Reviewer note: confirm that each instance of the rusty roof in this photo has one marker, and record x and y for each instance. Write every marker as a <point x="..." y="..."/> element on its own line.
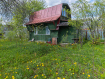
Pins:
<point x="46" y="15"/>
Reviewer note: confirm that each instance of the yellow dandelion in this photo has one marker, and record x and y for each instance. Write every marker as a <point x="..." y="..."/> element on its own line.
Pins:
<point x="83" y="72"/>
<point x="27" y="68"/>
<point x="63" y="78"/>
<point x="6" y="76"/>
<point x="69" y="69"/>
<point x="56" y="73"/>
<point x="73" y="73"/>
<point x="37" y="65"/>
<point x="75" y="63"/>
<point x="35" y="76"/>
<point x="58" y="77"/>
<point x="42" y="64"/>
<point x="16" y="72"/>
<point x="42" y="74"/>
<point x="15" y="68"/>
<point x="55" y="59"/>
<point x="0" y="74"/>
<point x="88" y="75"/>
<point x="37" y="68"/>
<point x="31" y="61"/>
<point x="13" y="77"/>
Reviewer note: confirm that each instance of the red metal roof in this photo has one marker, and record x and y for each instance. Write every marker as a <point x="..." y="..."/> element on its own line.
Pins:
<point x="46" y="15"/>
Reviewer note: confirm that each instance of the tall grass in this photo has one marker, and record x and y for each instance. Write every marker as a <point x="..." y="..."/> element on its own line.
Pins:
<point x="29" y="60"/>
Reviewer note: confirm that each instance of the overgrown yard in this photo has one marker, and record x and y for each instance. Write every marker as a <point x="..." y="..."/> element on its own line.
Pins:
<point x="29" y="60"/>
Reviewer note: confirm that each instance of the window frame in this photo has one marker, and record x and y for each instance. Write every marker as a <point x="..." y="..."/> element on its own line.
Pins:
<point x="64" y="13"/>
<point x="47" y="29"/>
<point x="36" y="31"/>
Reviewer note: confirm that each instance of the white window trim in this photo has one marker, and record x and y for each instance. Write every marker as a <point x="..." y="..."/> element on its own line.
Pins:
<point x="36" y="31"/>
<point x="47" y="30"/>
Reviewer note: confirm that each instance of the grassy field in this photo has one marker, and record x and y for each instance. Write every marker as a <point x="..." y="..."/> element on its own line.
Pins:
<point x="29" y="60"/>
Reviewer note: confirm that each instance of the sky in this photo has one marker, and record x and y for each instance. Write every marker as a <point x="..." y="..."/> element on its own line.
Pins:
<point x="55" y="2"/>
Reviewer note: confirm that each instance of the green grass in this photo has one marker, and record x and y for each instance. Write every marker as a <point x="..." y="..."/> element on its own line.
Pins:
<point x="29" y="60"/>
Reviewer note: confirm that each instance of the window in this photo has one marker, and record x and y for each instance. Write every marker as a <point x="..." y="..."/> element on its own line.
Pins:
<point x="64" y="12"/>
<point x="47" y="31"/>
<point x="35" y="30"/>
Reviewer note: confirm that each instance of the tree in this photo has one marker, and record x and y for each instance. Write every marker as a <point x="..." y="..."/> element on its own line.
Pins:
<point x="20" y="11"/>
<point x="89" y="14"/>
<point x="0" y="25"/>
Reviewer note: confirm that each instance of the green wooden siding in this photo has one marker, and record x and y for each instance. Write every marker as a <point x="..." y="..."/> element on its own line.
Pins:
<point x="66" y="34"/>
<point x="54" y="33"/>
<point x="42" y="37"/>
<point x="52" y="26"/>
<point x="42" y="31"/>
<point x="31" y="35"/>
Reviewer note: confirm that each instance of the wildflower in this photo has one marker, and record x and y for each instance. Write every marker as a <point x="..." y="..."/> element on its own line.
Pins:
<point x="83" y="72"/>
<point x="6" y="76"/>
<point x="37" y="65"/>
<point x="58" y="77"/>
<point x="31" y="61"/>
<point x="13" y="77"/>
<point x="63" y="78"/>
<point x="35" y="76"/>
<point x="56" y="73"/>
<point x="0" y="74"/>
<point x="88" y="75"/>
<point x="73" y="73"/>
<point x="55" y="59"/>
<point x="69" y="69"/>
<point x="16" y="72"/>
<point x="27" y="68"/>
<point x="75" y="63"/>
<point x="42" y="64"/>
<point x="42" y="74"/>
<point x="15" y="68"/>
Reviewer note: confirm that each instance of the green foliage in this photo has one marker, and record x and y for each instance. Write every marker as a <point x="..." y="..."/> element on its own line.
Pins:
<point x="64" y="38"/>
<point x="88" y="15"/>
<point x="0" y="25"/>
<point x="10" y="35"/>
<point x="24" y="10"/>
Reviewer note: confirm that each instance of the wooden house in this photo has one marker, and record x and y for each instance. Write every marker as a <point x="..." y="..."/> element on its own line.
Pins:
<point x="51" y="23"/>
